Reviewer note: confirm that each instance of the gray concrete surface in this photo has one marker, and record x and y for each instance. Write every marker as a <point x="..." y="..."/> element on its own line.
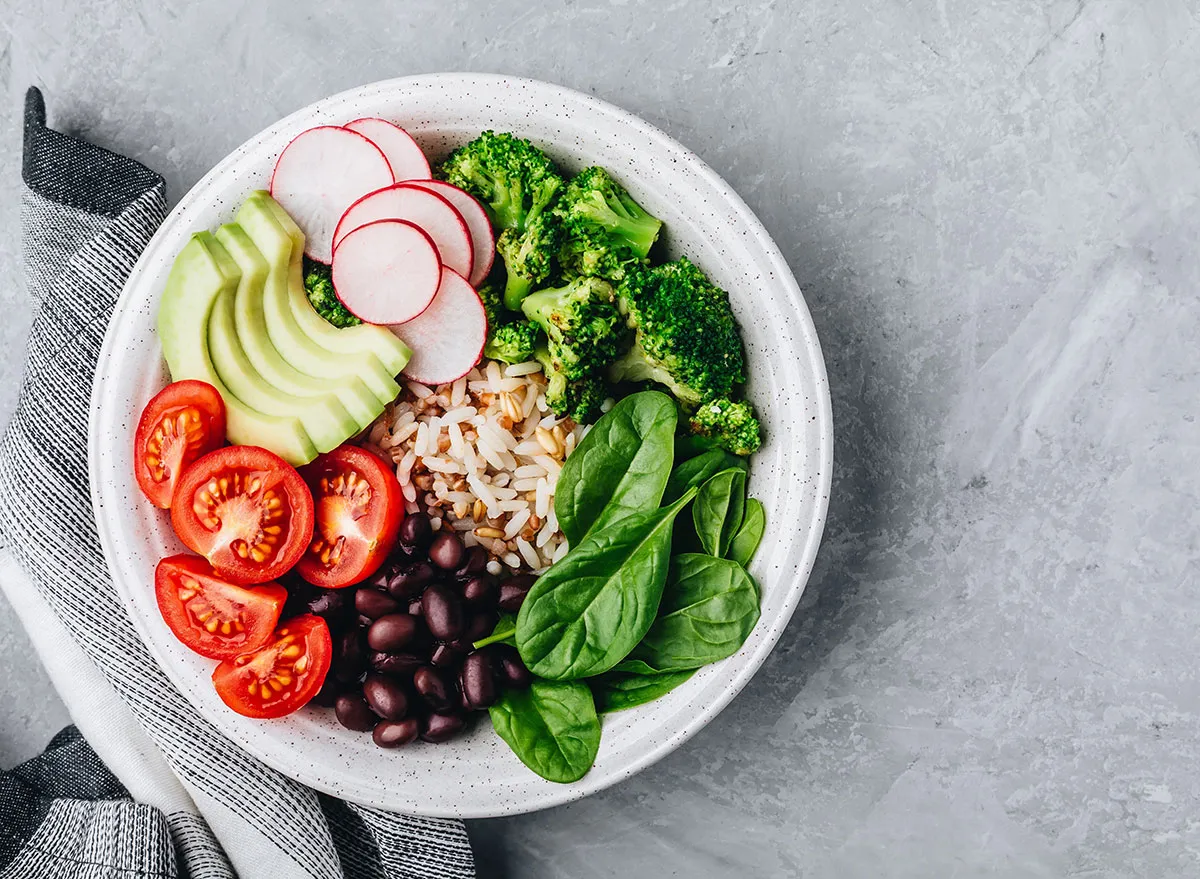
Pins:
<point x="992" y="206"/>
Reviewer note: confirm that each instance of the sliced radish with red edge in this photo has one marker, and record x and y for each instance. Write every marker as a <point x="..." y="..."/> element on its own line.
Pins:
<point x="447" y="339"/>
<point x="386" y="272"/>
<point x="483" y="240"/>
<point x="319" y="174"/>
<point x="433" y="213"/>
<point x="402" y="152"/>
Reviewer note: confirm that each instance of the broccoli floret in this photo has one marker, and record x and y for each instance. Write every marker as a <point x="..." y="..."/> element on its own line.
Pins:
<point x="730" y="424"/>
<point x="593" y="197"/>
<point x="579" y="399"/>
<point x="685" y="334"/>
<point x="589" y="251"/>
<point x="318" y="284"/>
<point x="491" y="294"/>
<point x="581" y="321"/>
<point x="517" y="184"/>
<point x="512" y="342"/>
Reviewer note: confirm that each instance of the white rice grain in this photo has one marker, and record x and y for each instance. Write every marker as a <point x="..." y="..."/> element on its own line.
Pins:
<point x="513" y="560"/>
<point x="513" y="506"/>
<point x="458" y="392"/>
<point x="459" y="415"/>
<point x="530" y="484"/>
<point x="492" y="370"/>
<point x="436" y="523"/>
<point x="553" y="468"/>
<point x="542" y="501"/>
<point x="494" y="568"/>
<point x="442" y="465"/>
<point x="516" y="370"/>
<point x="419" y="390"/>
<point x="528" y="553"/>
<point x="410" y="493"/>
<point x="517" y="522"/>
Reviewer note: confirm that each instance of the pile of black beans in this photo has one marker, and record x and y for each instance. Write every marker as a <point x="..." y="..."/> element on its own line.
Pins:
<point x="403" y="662"/>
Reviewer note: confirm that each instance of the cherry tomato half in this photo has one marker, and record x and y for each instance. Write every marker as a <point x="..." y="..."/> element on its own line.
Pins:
<point x="246" y="510"/>
<point x="212" y="616"/>
<point x="283" y="675"/>
<point x="184" y="421"/>
<point x="359" y="507"/>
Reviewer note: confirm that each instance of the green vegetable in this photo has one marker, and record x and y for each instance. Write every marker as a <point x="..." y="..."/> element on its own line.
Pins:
<point x="592" y="607"/>
<point x="717" y="512"/>
<point x="589" y="251"/>
<point x="745" y="542"/>
<point x="696" y="471"/>
<point x="686" y="336"/>
<point x="594" y="199"/>
<point x="582" y="324"/>
<point x="619" y="468"/>
<point x="318" y="284"/>
<point x="518" y="185"/>
<point x="513" y="342"/>
<point x="552" y="727"/>
<point x="504" y="632"/>
<point x="729" y="424"/>
<point x="616" y="691"/>
<point x="709" y="607"/>
<point x="579" y="399"/>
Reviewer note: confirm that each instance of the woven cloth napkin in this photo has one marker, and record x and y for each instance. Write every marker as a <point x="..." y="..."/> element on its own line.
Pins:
<point x="176" y="798"/>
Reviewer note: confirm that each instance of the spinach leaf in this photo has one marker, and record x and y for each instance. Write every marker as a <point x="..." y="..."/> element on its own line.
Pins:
<point x="696" y="471"/>
<point x="717" y="512"/>
<point x="708" y="608"/>
<point x="552" y="727"/>
<point x="620" y="467"/>
<point x="587" y="612"/>
<point x="745" y="542"/>
<point x="503" y="632"/>
<point x="615" y="691"/>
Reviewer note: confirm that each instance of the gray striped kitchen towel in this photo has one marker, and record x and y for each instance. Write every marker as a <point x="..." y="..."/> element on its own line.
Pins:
<point x="176" y="798"/>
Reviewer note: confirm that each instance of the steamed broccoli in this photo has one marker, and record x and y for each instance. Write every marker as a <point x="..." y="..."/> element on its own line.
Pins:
<point x="588" y="250"/>
<point x="581" y="321"/>
<point x="730" y="425"/>
<point x="318" y="284"/>
<point x="594" y="198"/>
<point x="685" y="334"/>
<point x="579" y="399"/>
<point x="517" y="184"/>
<point x="511" y="342"/>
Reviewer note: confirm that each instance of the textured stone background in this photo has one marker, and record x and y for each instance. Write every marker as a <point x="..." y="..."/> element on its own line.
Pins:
<point x="991" y="206"/>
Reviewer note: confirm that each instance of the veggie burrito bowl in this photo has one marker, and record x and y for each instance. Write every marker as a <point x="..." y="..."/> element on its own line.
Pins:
<point x="450" y="462"/>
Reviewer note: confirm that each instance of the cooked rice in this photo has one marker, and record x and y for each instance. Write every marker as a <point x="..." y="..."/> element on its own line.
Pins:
<point x="487" y="437"/>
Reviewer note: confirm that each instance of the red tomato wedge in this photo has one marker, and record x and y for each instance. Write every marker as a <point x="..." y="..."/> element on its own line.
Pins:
<point x="359" y="507"/>
<point x="246" y="510"/>
<point x="212" y="616"/>
<point x="184" y="421"/>
<point x="281" y="676"/>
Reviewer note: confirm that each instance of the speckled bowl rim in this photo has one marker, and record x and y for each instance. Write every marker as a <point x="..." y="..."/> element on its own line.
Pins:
<point x="108" y="452"/>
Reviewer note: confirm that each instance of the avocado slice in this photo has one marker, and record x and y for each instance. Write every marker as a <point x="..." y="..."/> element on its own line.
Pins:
<point x="197" y="280"/>
<point x="325" y="419"/>
<point x="305" y="352"/>
<point x="252" y="319"/>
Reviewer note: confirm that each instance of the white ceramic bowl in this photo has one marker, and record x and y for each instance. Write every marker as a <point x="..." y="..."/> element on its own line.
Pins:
<point x="477" y="776"/>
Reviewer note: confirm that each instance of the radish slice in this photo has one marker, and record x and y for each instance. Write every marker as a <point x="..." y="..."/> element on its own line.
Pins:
<point x="483" y="240"/>
<point x="408" y="201"/>
<point x="386" y="272"/>
<point x="402" y="152"/>
<point x="319" y="174"/>
<point x="447" y="339"/>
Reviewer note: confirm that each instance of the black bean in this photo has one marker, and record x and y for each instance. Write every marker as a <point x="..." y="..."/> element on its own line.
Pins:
<point x="481" y="625"/>
<point x="510" y="670"/>
<point x="443" y="612"/>
<point x="478" y="680"/>
<point x="474" y="562"/>
<point x="440" y="727"/>
<point x="328" y="693"/>
<point x="392" y="632"/>
<point x="415" y="608"/>
<point x="385" y="696"/>
<point x="399" y="665"/>
<point x="513" y="592"/>
<point x="373" y="604"/>
<point x="436" y="687"/>
<point x="354" y="713"/>
<point x="415" y="532"/>
<point x="446" y="551"/>
<point x="349" y="656"/>
<point x="445" y="656"/>
<point x="379" y="580"/>
<point x="480" y="592"/>
<point x="409" y="580"/>
<point x="332" y="605"/>
<point x="394" y="733"/>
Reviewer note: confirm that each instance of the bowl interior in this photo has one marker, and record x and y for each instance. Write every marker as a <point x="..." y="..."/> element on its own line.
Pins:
<point x="478" y="776"/>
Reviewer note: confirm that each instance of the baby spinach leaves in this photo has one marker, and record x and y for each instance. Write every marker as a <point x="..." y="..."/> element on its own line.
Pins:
<point x="749" y="536"/>
<point x="620" y="468"/>
<point x="587" y="612"/>
<point x="616" y="691"/>
<point x="552" y="727"/>
<point x="709" y="606"/>
<point x="717" y="512"/>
